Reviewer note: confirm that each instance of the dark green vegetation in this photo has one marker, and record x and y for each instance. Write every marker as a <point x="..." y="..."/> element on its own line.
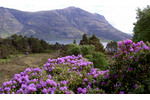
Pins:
<point x="142" y="26"/>
<point x="57" y="24"/>
<point x="129" y="73"/>
<point x="91" y="49"/>
<point x="14" y="45"/>
<point x="111" y="47"/>
<point x="93" y="40"/>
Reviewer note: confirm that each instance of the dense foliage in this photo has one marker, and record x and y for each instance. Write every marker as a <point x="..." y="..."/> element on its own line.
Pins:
<point x="88" y="51"/>
<point x="130" y="72"/>
<point x="70" y="74"/>
<point x="93" y="40"/>
<point x="84" y="40"/>
<point x="111" y="47"/>
<point x="19" y="44"/>
<point x="142" y="26"/>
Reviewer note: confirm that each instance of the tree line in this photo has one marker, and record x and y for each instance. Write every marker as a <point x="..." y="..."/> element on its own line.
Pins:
<point x="21" y="44"/>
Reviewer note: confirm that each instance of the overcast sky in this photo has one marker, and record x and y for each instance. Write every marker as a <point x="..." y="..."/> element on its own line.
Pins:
<point x="120" y="13"/>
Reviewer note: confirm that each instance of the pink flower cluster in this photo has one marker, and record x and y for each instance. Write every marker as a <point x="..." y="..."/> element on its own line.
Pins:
<point x="44" y="80"/>
<point x="127" y="46"/>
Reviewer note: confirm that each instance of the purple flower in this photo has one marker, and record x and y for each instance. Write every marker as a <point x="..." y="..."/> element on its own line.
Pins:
<point x="7" y="89"/>
<point x="120" y="43"/>
<point x="23" y="86"/>
<point x="28" y="70"/>
<point x="63" y="82"/>
<point x="85" y="79"/>
<point x="121" y="92"/>
<point x="116" y="85"/>
<point x="4" y="84"/>
<point x="19" y="91"/>
<point x="115" y="76"/>
<point x="49" y="76"/>
<point x="13" y="93"/>
<point x="95" y="75"/>
<point x="48" y="81"/>
<point x="131" y="57"/>
<point x="146" y="47"/>
<point x="103" y="83"/>
<point x="89" y="83"/>
<point x="138" y="44"/>
<point x="74" y="68"/>
<point x="133" y="45"/>
<point x="88" y="86"/>
<point x="49" y="60"/>
<point x="61" y="88"/>
<point x="106" y="76"/>
<point x="131" y="49"/>
<point x="79" y="89"/>
<point x="31" y="87"/>
<point x="35" y="80"/>
<point x="84" y="91"/>
<point x="83" y="83"/>
<point x="44" y="91"/>
<point x="52" y="92"/>
<point x="17" y="75"/>
<point x="65" y="87"/>
<point x="125" y="42"/>
<point x="116" y="56"/>
<point x="13" y="86"/>
<point x="14" y="82"/>
<point x="67" y="92"/>
<point x="79" y="56"/>
<point x="135" y="86"/>
<point x="58" y="85"/>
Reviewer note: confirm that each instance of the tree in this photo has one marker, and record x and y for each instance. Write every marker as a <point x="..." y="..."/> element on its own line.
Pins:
<point x="44" y="44"/>
<point x="35" y="45"/>
<point x="4" y="51"/>
<point x="74" y="41"/>
<point x="111" y="47"/>
<point x="93" y="40"/>
<point x="84" y="40"/>
<point x="142" y="26"/>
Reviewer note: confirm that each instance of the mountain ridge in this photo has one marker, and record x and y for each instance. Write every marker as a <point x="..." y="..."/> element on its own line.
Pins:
<point x="71" y="23"/>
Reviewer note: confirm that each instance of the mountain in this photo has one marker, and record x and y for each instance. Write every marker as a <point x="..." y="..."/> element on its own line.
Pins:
<point x="68" y="23"/>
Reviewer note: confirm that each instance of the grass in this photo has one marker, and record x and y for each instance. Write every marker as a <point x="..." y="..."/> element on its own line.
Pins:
<point x="12" y="57"/>
<point x="9" y="67"/>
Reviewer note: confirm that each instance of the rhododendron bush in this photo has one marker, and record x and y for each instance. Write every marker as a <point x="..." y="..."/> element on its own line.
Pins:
<point x="129" y="73"/>
<point x="67" y="75"/>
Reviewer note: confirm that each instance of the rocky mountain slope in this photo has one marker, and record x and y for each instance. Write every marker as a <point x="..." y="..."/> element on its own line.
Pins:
<point x="68" y="23"/>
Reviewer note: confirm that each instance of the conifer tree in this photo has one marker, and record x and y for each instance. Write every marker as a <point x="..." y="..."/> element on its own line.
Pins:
<point x="84" y="40"/>
<point x="93" y="40"/>
<point x="74" y="41"/>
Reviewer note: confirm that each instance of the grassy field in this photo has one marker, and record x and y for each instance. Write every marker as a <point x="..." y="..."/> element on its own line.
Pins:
<point x="10" y="67"/>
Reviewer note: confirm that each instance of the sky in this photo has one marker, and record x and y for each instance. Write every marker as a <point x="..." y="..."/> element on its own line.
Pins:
<point x="119" y="13"/>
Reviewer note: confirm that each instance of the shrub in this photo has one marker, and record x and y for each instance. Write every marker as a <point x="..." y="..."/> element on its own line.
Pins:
<point x="99" y="60"/>
<point x="89" y="57"/>
<point x="4" y="52"/>
<point x="66" y="75"/>
<point x="87" y="49"/>
<point x="130" y="72"/>
<point x="74" y="49"/>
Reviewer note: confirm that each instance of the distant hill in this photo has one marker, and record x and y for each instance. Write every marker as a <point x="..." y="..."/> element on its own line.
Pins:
<point x="68" y="23"/>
